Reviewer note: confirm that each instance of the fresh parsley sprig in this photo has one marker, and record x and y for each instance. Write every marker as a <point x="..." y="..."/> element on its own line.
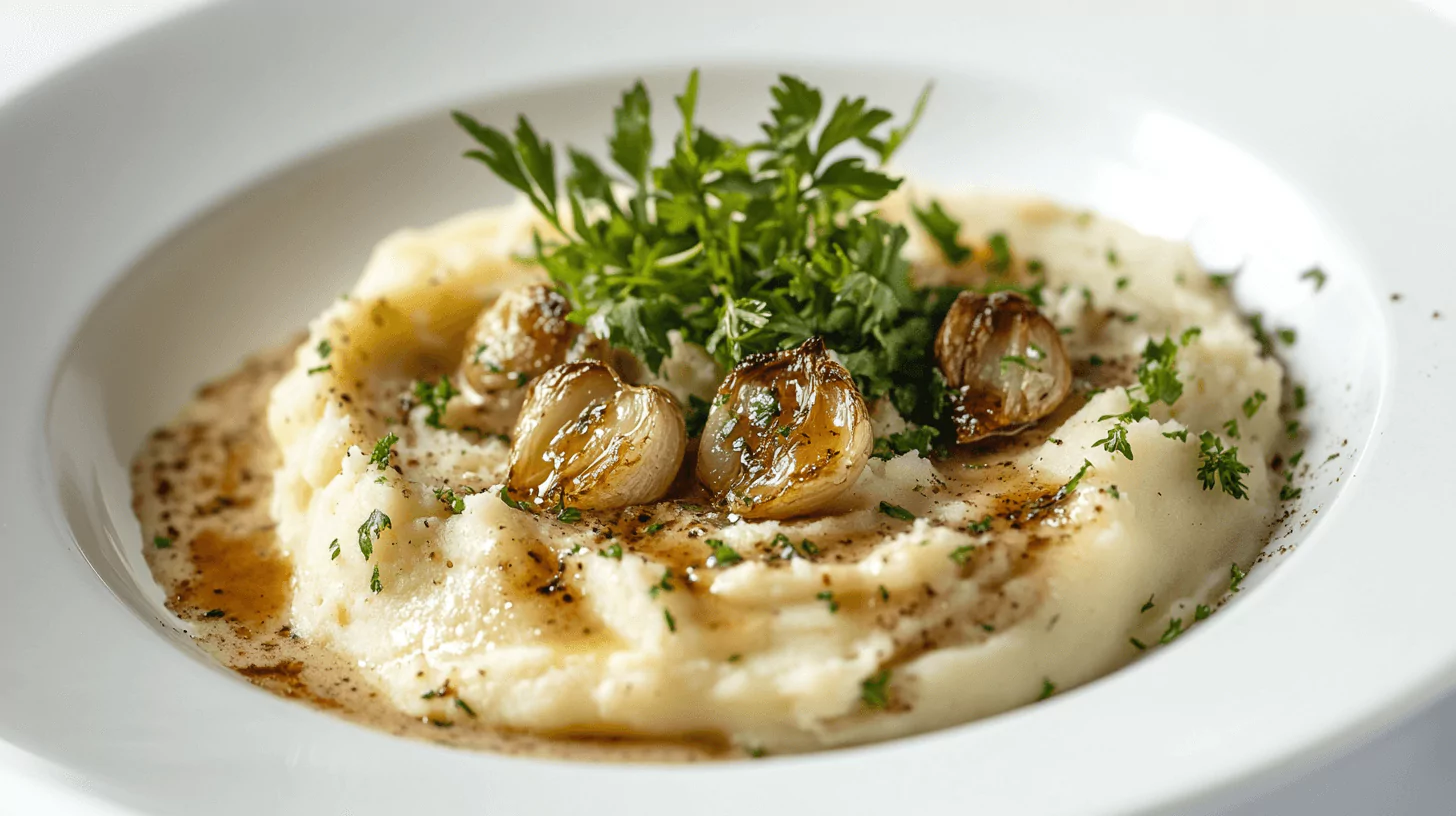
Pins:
<point x="740" y="247"/>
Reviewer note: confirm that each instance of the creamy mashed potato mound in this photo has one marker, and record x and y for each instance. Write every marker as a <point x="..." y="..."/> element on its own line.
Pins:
<point x="620" y="623"/>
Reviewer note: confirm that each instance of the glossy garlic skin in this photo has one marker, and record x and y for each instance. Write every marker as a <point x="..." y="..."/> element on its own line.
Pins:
<point x="1004" y="362"/>
<point x="586" y="439"/>
<point x="517" y="338"/>
<point x="787" y="434"/>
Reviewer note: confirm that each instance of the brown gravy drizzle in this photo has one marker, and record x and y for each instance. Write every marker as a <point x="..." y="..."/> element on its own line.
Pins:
<point x="201" y="488"/>
<point x="202" y="485"/>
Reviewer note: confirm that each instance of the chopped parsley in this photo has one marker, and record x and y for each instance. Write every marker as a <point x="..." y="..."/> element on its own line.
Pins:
<point x="1148" y="605"/>
<point x="435" y="396"/>
<point x="920" y="439"/>
<point x="319" y="369"/>
<point x="1221" y="467"/>
<point x="1236" y="577"/>
<point x="786" y="548"/>
<point x="567" y="515"/>
<point x="739" y="247"/>
<point x="1189" y="335"/>
<point x="944" y="231"/>
<point x="895" y="511"/>
<point x="664" y="584"/>
<point x="1121" y="283"/>
<point x="514" y="504"/>
<point x="1256" y="324"/>
<point x="213" y="613"/>
<point x="1000" y="250"/>
<point x="828" y="597"/>
<point x="982" y="526"/>
<point x="162" y="542"/>
<point x="334" y="549"/>
<point x="464" y="706"/>
<point x="1295" y="459"/>
<point x="1201" y="611"/>
<point x="382" y="450"/>
<point x="370" y="530"/>
<point x="1290" y="492"/>
<point x="653" y="527"/>
<point x="1300" y="399"/>
<point x="1018" y="360"/>
<point x="1181" y="434"/>
<point x="1314" y="273"/>
<point x="1253" y="403"/>
<point x="763" y="407"/>
<point x="1115" y="441"/>
<point x="375" y="585"/>
<point x="1175" y="628"/>
<point x="1291" y="429"/>
<point x="1138" y="644"/>
<point x="1231" y="428"/>
<point x="1048" y="688"/>
<point x="723" y="555"/>
<point x="669" y="620"/>
<point x="1287" y="336"/>
<point x="324" y="348"/>
<point x="884" y="593"/>
<point x="963" y="553"/>
<point x="614" y="551"/>
<point x="447" y="496"/>
<point x="874" y="691"/>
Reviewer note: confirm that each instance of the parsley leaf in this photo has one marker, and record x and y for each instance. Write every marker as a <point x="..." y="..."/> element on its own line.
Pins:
<point x="370" y="531"/>
<point x="943" y="230"/>
<point x="1317" y="275"/>
<point x="1221" y="467"/>
<point x="436" y="396"/>
<point x="382" y="449"/>
<point x="738" y="247"/>
<point x="874" y="691"/>
<point x="920" y="440"/>
<point x="895" y="511"/>
<point x="723" y="555"/>
<point x="1252" y="404"/>
<point x="375" y="585"/>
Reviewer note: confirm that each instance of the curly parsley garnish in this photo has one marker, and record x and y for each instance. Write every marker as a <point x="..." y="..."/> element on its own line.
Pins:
<point x="723" y="555"/>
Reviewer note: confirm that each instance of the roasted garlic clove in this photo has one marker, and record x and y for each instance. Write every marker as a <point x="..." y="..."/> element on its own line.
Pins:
<point x="787" y="434"/>
<point x="1004" y="361"/>
<point x="521" y="335"/>
<point x="586" y="439"/>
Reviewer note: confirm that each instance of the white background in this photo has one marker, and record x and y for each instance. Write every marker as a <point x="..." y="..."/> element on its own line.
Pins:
<point x="1410" y="771"/>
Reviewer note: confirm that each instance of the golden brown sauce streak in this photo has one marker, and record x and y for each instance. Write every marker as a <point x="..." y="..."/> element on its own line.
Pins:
<point x="203" y="483"/>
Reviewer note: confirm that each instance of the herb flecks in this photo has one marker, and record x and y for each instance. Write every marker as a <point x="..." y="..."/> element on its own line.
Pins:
<point x="1221" y="467"/>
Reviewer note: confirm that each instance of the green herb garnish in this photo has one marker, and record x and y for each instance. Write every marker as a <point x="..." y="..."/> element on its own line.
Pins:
<point x="382" y="450"/>
<point x="739" y="247"/>
<point x="1221" y="467"/>
<point x="435" y="396"/>
<point x="1253" y="403"/>
<point x="895" y="511"/>
<point x="723" y="555"/>
<point x="828" y="597"/>
<point x="874" y="691"/>
<point x="370" y="530"/>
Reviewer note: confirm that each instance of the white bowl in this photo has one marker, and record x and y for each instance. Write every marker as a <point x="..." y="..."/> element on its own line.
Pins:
<point x="199" y="191"/>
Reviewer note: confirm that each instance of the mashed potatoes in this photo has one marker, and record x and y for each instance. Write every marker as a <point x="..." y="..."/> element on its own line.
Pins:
<point x="932" y="592"/>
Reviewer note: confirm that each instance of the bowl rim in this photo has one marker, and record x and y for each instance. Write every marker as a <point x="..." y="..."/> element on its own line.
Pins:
<point x="1329" y="701"/>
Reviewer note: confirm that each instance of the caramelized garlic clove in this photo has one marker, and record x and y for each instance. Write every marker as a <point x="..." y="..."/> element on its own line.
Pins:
<point x="518" y="337"/>
<point x="1004" y="362"/>
<point x="787" y="434"/>
<point x="586" y="439"/>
